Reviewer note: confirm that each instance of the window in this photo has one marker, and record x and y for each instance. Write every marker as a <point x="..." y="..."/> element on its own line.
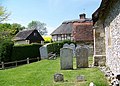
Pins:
<point x="35" y="34"/>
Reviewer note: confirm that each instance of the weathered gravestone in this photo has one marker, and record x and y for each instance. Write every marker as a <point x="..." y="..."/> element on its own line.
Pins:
<point x="82" y="57"/>
<point x="66" y="58"/>
<point x="43" y="52"/>
<point x="58" y="77"/>
<point x="80" y="78"/>
<point x="66" y="45"/>
<point x="72" y="46"/>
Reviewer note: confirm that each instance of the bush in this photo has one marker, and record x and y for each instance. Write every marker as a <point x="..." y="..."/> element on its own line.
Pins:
<point x="21" y="52"/>
<point x="5" y="50"/>
<point x="47" y="39"/>
<point x="68" y="41"/>
<point x="56" y="46"/>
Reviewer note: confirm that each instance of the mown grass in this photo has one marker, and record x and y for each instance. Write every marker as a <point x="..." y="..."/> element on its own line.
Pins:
<point x="41" y="74"/>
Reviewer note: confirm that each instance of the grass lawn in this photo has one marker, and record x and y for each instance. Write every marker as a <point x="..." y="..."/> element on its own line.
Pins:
<point x="41" y="74"/>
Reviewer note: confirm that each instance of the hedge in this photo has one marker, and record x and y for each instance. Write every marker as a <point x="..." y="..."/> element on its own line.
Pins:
<point x="6" y="47"/>
<point x="21" y="52"/>
<point x="56" y="46"/>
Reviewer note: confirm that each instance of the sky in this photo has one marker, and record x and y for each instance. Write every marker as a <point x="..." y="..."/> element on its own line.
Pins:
<point x="51" y="12"/>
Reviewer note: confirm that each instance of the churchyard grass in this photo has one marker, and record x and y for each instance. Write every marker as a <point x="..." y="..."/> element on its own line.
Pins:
<point x="41" y="74"/>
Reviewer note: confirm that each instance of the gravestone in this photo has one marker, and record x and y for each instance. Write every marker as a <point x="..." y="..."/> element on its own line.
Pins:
<point x="43" y="52"/>
<point x="82" y="57"/>
<point x="58" y="77"/>
<point x="72" y="46"/>
<point x="66" y="45"/>
<point x="66" y="58"/>
<point x="78" y="46"/>
<point x="80" y="78"/>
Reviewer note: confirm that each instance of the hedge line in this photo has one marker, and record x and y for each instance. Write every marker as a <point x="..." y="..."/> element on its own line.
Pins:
<point x="55" y="46"/>
<point x="9" y="52"/>
<point x="21" y="52"/>
<point x="6" y="47"/>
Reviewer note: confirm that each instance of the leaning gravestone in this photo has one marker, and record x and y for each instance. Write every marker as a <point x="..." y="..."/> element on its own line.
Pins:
<point x="43" y="52"/>
<point x="66" y="58"/>
<point x="82" y="57"/>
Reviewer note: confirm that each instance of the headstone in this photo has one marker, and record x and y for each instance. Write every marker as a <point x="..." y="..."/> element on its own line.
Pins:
<point x="82" y="57"/>
<point x="66" y="58"/>
<point x="72" y="46"/>
<point x="58" y="77"/>
<point x="78" y="46"/>
<point x="66" y="45"/>
<point x="43" y="52"/>
<point x="80" y="78"/>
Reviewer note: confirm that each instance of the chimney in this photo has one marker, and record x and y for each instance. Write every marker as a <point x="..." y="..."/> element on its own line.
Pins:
<point x="82" y="16"/>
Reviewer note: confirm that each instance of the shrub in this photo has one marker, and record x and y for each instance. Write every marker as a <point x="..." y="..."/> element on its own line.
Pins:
<point x="5" y="50"/>
<point x="21" y="52"/>
<point x="55" y="46"/>
<point x="48" y="39"/>
<point x="68" y="41"/>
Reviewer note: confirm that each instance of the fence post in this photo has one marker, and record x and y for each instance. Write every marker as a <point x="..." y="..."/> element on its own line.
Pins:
<point x="38" y="58"/>
<point x="2" y="65"/>
<point x="16" y="63"/>
<point x="27" y="60"/>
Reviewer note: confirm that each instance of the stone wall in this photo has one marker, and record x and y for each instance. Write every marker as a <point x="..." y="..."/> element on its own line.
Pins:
<point x="99" y="44"/>
<point x="112" y="30"/>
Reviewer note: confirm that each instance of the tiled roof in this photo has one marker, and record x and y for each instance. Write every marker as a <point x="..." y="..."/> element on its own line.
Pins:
<point x="22" y="35"/>
<point x="67" y="26"/>
<point x="83" y="32"/>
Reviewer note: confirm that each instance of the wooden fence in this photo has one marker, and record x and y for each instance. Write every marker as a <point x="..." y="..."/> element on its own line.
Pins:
<point x="15" y="63"/>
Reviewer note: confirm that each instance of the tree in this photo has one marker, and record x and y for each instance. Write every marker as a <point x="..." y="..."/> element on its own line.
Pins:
<point x="15" y="28"/>
<point x="3" y="14"/>
<point x="41" y="27"/>
<point x="9" y="30"/>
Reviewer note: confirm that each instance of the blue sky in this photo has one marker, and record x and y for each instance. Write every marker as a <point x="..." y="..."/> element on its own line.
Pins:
<point x="51" y="12"/>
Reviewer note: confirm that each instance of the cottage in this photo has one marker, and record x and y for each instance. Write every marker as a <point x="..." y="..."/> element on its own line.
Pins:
<point x="63" y="32"/>
<point x="79" y="30"/>
<point x="28" y="37"/>
<point x="82" y="30"/>
<point x="107" y="35"/>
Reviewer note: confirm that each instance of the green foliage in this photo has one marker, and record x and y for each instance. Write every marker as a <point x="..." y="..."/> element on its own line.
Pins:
<point x="68" y="41"/>
<point x="41" y="74"/>
<point x="16" y="28"/>
<point x="41" y="27"/>
<point x="21" y="52"/>
<point x="9" y="30"/>
<point x="5" y="50"/>
<point x="55" y="46"/>
<point x="3" y="14"/>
